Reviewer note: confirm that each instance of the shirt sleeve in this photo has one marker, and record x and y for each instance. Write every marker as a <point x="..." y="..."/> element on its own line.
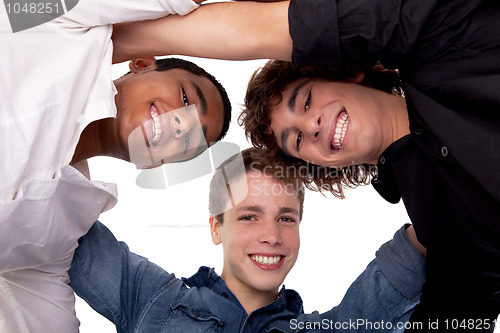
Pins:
<point x="92" y="13"/>
<point x="326" y="32"/>
<point x="114" y="281"/>
<point x="384" y="295"/>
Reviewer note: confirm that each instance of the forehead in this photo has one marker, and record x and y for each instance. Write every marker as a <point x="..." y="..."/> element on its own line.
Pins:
<point x="257" y="188"/>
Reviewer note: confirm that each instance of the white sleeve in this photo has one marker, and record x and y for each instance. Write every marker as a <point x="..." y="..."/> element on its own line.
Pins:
<point x="91" y="13"/>
<point x="41" y="228"/>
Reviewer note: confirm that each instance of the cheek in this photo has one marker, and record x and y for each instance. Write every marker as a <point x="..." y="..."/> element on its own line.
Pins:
<point x="311" y="152"/>
<point x="292" y="238"/>
<point x="214" y="125"/>
<point x="129" y="118"/>
<point x="236" y="239"/>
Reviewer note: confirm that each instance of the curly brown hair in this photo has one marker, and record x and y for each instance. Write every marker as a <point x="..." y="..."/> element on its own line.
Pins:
<point x="265" y="92"/>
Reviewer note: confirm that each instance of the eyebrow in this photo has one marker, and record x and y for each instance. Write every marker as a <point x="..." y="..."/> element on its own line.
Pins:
<point x="250" y="208"/>
<point x="284" y="210"/>
<point x="291" y="108"/>
<point x="203" y="111"/>
<point x="201" y="97"/>
<point x="293" y="97"/>
<point x="284" y="139"/>
<point x="259" y="209"/>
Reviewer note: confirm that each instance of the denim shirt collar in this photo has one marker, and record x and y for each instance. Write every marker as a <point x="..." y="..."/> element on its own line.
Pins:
<point x="208" y="278"/>
<point x="288" y="299"/>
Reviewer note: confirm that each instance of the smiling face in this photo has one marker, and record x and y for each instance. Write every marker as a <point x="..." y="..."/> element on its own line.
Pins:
<point x="260" y="236"/>
<point x="166" y="116"/>
<point x="334" y="124"/>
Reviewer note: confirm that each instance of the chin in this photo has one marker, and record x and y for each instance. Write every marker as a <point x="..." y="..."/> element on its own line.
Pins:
<point x="273" y="289"/>
<point x="269" y="286"/>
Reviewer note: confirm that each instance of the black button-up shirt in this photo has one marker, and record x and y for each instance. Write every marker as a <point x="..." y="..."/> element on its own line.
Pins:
<point x="447" y="171"/>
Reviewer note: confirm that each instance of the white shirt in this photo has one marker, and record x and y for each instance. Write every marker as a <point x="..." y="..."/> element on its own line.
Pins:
<point x="38" y="236"/>
<point x="55" y="80"/>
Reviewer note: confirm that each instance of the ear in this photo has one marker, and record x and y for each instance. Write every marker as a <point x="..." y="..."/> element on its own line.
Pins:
<point x="215" y="230"/>
<point x="140" y="64"/>
<point x="358" y="77"/>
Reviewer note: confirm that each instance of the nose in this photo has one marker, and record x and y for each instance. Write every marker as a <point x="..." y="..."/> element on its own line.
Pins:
<point x="312" y="126"/>
<point x="270" y="233"/>
<point x="182" y="124"/>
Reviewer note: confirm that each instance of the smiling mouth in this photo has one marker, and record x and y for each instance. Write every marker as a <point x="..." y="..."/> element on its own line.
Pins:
<point x="156" y="124"/>
<point x="267" y="261"/>
<point x="340" y="131"/>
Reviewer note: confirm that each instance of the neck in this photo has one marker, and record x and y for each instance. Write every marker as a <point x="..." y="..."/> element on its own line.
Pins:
<point x="96" y="140"/>
<point x="400" y="121"/>
<point x="395" y="123"/>
<point x="251" y="299"/>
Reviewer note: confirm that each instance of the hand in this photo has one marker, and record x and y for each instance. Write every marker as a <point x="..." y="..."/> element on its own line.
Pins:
<point x="412" y="237"/>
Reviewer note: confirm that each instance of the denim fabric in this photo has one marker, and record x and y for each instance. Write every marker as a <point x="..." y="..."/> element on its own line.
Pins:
<point x="139" y="296"/>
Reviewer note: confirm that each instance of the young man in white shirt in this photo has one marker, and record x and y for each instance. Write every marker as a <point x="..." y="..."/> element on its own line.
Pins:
<point x="60" y="107"/>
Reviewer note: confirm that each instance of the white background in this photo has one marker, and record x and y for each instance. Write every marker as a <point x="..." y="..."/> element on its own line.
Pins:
<point x="170" y="227"/>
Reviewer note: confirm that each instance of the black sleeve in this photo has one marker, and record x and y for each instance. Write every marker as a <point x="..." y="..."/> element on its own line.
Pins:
<point x="329" y="32"/>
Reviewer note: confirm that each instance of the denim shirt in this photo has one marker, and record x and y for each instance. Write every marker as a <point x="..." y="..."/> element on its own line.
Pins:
<point x="139" y="296"/>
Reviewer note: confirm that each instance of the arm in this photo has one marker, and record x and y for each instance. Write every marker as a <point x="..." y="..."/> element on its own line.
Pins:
<point x="412" y="237"/>
<point x="93" y="13"/>
<point x="339" y="32"/>
<point x="229" y="30"/>
<point x="387" y="291"/>
<point x="114" y="281"/>
<point x="363" y="31"/>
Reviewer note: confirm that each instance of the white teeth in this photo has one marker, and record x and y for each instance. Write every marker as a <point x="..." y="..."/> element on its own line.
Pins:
<point x="266" y="260"/>
<point x="340" y="130"/>
<point x="156" y="126"/>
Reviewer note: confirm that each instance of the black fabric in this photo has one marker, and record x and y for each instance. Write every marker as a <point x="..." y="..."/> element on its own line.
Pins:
<point x="448" y="169"/>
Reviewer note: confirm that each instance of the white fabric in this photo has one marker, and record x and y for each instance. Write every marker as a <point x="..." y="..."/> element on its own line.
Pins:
<point x="55" y="80"/>
<point x="39" y="235"/>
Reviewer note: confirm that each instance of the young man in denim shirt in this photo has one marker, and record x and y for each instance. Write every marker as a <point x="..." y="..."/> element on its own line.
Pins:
<point x="444" y="168"/>
<point x="257" y="219"/>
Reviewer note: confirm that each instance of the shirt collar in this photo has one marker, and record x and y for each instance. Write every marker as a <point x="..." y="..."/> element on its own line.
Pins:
<point x="207" y="277"/>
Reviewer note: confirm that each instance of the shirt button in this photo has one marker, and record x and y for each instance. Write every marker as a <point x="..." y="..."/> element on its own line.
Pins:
<point x="419" y="131"/>
<point x="444" y="151"/>
<point x="382" y="159"/>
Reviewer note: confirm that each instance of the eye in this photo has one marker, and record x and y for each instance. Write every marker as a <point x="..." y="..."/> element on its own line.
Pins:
<point x="307" y="104"/>
<point x="299" y="140"/>
<point x="246" y="218"/>
<point x="287" y="220"/>
<point x="185" y="98"/>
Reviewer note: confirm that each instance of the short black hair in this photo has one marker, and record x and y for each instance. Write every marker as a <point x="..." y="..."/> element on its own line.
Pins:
<point x="165" y="64"/>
